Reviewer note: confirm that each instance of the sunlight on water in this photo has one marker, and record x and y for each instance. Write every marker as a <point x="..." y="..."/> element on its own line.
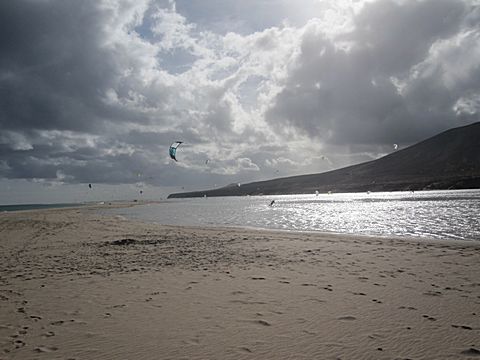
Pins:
<point x="437" y="214"/>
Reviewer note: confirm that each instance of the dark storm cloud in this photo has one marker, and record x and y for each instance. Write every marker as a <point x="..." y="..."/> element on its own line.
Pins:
<point x="52" y="68"/>
<point x="351" y="95"/>
<point x="59" y="62"/>
<point x="57" y="66"/>
<point x="392" y="37"/>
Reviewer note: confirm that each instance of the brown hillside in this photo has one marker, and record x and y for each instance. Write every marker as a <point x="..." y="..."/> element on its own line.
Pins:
<point x="450" y="160"/>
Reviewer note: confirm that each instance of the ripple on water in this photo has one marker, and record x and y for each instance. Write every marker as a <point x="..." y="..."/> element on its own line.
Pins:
<point x="434" y="214"/>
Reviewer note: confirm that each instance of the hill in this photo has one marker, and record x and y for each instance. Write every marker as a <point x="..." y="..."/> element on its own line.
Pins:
<point x="449" y="160"/>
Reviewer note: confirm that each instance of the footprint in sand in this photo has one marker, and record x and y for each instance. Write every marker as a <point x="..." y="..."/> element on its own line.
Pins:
<point x="19" y="343"/>
<point x="58" y="322"/>
<point x="464" y="327"/>
<point x="263" y="322"/>
<point x="246" y="349"/>
<point x="471" y="352"/>
<point x="431" y="318"/>
<point x="257" y="322"/>
<point x="45" y="349"/>
<point x="118" y="306"/>
<point x="347" y="318"/>
<point x="237" y="292"/>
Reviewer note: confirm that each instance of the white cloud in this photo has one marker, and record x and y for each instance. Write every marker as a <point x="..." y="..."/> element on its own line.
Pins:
<point x="15" y="141"/>
<point x="456" y="60"/>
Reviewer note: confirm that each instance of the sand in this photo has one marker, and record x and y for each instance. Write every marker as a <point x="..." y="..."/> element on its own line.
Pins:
<point x="78" y="285"/>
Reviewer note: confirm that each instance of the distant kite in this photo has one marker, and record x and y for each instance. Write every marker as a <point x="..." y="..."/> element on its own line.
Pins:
<point x="395" y="146"/>
<point x="90" y="186"/>
<point x="173" y="149"/>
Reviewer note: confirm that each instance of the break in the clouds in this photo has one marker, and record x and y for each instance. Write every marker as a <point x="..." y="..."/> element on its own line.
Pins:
<point x="95" y="91"/>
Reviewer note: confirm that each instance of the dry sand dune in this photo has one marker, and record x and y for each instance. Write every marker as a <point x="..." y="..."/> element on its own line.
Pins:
<point x="76" y="285"/>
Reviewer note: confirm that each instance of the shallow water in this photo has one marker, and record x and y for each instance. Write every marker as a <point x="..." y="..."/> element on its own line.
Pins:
<point x="452" y="214"/>
<point x="36" y="206"/>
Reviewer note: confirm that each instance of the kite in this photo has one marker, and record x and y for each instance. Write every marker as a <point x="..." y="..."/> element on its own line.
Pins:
<point x="173" y="149"/>
<point x="90" y="186"/>
<point x="395" y="146"/>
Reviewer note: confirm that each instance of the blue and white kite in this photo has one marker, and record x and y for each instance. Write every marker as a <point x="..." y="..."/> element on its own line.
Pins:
<point x="173" y="149"/>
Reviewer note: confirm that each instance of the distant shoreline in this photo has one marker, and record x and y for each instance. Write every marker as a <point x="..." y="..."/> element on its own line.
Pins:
<point x="103" y="204"/>
<point x="21" y="207"/>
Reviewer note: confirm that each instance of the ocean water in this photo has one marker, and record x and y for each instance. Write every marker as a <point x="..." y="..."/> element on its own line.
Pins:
<point x="34" y="206"/>
<point x="449" y="214"/>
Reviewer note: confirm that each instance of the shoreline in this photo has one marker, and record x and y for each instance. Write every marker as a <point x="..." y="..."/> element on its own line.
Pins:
<point x="321" y="234"/>
<point x="76" y="284"/>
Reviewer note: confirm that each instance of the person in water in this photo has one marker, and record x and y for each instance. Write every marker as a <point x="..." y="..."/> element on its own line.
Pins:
<point x="272" y="202"/>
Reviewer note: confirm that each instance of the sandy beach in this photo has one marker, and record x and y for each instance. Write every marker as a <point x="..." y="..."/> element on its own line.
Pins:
<point x="78" y="285"/>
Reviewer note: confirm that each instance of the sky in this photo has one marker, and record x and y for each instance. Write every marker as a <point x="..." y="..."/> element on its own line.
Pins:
<point x="94" y="92"/>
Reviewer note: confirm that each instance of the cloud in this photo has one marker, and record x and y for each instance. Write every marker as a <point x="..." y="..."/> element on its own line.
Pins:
<point x="395" y="77"/>
<point x="96" y="91"/>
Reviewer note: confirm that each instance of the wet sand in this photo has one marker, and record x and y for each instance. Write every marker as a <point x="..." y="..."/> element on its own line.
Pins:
<point x="78" y="285"/>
